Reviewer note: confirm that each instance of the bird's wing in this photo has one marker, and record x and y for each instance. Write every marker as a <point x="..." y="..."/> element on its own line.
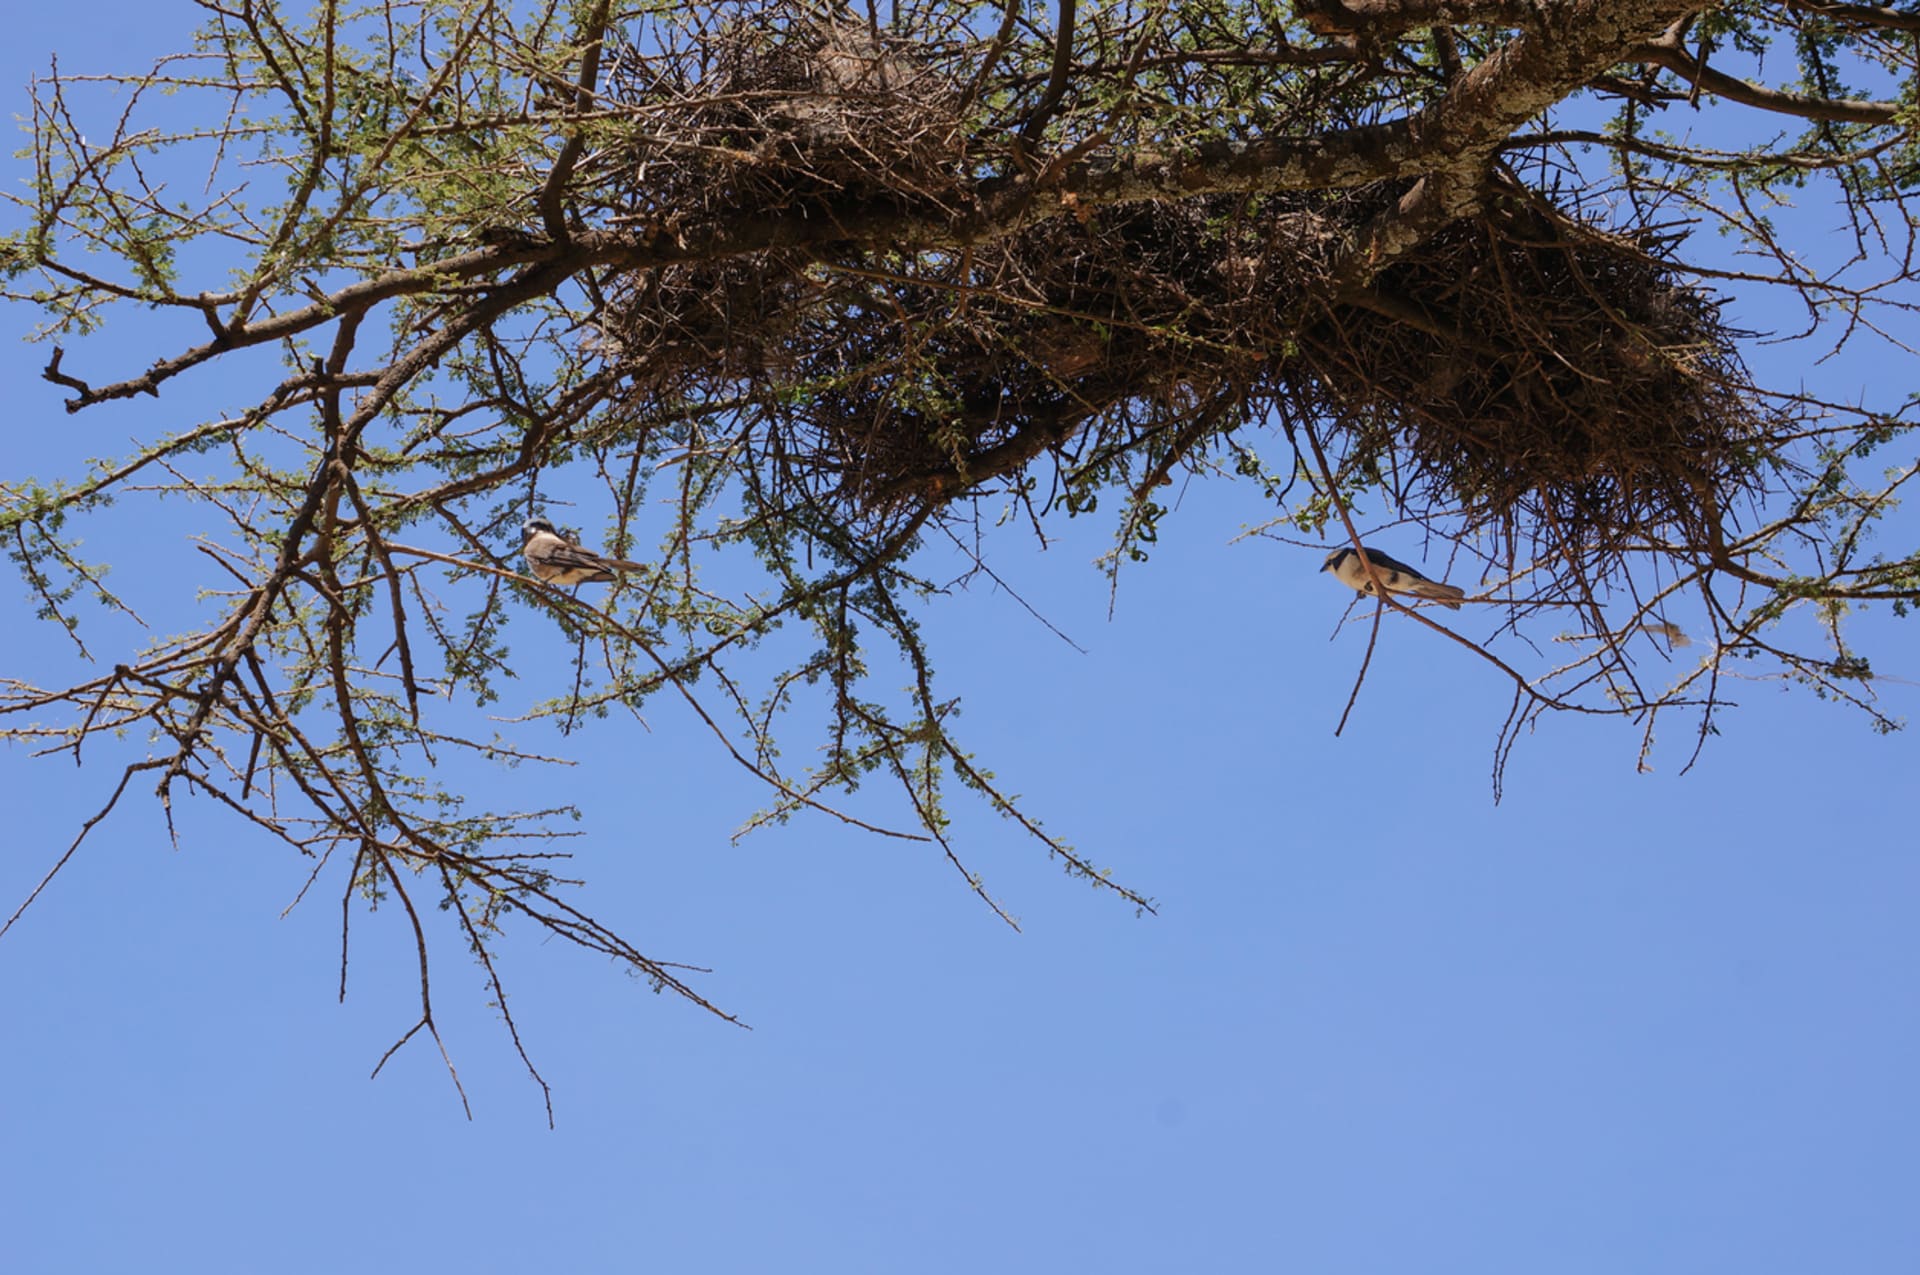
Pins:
<point x="562" y="554"/>
<point x="585" y="557"/>
<point x="1385" y="562"/>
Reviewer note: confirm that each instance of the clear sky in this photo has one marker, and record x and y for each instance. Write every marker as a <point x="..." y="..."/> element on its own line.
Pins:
<point x="1620" y="1022"/>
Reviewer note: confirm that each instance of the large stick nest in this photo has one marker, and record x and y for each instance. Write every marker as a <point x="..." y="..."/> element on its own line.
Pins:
<point x="1548" y="380"/>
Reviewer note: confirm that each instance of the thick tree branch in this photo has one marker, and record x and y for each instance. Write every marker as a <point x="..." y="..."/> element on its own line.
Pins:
<point x="553" y="194"/>
<point x="1669" y="55"/>
<point x="1459" y="134"/>
<point x="1883" y="17"/>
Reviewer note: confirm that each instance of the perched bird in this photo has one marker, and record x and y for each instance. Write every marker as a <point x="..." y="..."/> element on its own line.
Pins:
<point x="557" y="560"/>
<point x="1396" y="575"/>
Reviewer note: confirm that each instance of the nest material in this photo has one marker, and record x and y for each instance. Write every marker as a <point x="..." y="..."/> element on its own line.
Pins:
<point x="1534" y="370"/>
<point x="786" y="112"/>
<point x="815" y="114"/>
<point x="1543" y="377"/>
<point x="923" y="386"/>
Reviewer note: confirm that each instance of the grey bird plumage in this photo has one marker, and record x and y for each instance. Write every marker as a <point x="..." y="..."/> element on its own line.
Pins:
<point x="552" y="557"/>
<point x="1396" y="575"/>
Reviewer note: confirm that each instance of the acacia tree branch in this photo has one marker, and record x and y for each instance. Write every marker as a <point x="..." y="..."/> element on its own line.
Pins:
<point x="1449" y="141"/>
<point x="1567" y="46"/>
<point x="1669" y="55"/>
<point x="354" y="297"/>
<point x="1882" y="17"/>
<point x="553" y="194"/>
<point x="1058" y="78"/>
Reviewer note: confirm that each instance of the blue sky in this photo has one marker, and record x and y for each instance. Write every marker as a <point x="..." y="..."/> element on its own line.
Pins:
<point x="1619" y="1022"/>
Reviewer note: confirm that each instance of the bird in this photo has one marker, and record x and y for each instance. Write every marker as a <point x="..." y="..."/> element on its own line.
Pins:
<point x="552" y="557"/>
<point x="1397" y="576"/>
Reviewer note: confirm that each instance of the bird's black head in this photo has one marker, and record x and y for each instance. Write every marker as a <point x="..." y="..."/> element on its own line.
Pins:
<point x="534" y="526"/>
<point x="1335" y="558"/>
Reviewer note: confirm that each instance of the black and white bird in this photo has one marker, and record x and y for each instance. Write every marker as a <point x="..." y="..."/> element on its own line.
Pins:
<point x="1348" y="569"/>
<point x="557" y="560"/>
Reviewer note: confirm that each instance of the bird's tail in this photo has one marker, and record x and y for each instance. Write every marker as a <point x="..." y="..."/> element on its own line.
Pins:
<point x="1446" y="595"/>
